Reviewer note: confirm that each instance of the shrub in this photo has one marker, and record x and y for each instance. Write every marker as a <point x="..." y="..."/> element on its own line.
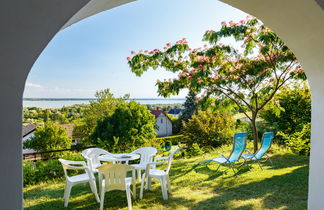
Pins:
<point x="48" y="138"/>
<point x="173" y="139"/>
<point x="290" y="110"/>
<point x="43" y="171"/>
<point x="299" y="142"/>
<point x="208" y="129"/>
<point x="129" y="127"/>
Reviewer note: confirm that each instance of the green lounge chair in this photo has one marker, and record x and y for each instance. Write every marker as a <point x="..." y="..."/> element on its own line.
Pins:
<point x="262" y="151"/>
<point x="238" y="148"/>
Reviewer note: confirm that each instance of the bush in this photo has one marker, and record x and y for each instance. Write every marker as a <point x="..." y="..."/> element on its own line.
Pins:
<point x="173" y="139"/>
<point x="129" y="127"/>
<point x="208" y="129"/>
<point x="290" y="110"/>
<point x="43" y="171"/>
<point x="48" y="138"/>
<point x="299" y="142"/>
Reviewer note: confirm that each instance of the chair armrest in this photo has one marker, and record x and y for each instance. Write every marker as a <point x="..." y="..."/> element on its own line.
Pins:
<point x="69" y="164"/>
<point x="223" y="156"/>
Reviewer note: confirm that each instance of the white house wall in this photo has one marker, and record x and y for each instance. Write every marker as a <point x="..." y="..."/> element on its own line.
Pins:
<point x="164" y="127"/>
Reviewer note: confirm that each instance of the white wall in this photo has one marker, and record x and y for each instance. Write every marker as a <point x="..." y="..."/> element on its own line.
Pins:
<point x="164" y="126"/>
<point x="27" y="26"/>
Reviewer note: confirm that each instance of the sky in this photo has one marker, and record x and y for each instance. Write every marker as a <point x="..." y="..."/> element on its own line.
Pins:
<point x="91" y="54"/>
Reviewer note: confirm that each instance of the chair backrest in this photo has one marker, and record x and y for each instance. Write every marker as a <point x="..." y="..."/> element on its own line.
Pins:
<point x="238" y="146"/>
<point x="265" y="144"/>
<point x="91" y="155"/>
<point x="146" y="153"/>
<point x="115" y="174"/>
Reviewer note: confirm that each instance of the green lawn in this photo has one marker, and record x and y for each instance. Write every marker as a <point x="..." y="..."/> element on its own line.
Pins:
<point x="283" y="186"/>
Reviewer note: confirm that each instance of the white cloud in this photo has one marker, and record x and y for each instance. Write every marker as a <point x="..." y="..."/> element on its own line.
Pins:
<point x="29" y="84"/>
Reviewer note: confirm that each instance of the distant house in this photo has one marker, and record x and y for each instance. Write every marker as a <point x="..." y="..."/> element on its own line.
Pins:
<point x="175" y="112"/>
<point x="27" y="133"/>
<point x="163" y="123"/>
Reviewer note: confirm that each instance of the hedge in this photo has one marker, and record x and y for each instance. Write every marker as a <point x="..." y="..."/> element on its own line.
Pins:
<point x="173" y="139"/>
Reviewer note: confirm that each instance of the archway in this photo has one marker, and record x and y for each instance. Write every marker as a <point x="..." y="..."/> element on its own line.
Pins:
<point x="29" y="26"/>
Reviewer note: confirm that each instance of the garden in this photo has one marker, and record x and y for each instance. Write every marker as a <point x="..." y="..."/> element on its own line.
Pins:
<point x="256" y="87"/>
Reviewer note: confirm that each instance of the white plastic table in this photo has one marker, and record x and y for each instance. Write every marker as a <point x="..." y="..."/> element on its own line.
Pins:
<point x="117" y="158"/>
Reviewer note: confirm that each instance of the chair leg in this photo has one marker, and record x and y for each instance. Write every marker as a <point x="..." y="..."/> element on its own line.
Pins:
<point x="100" y="181"/>
<point x="142" y="186"/>
<point x="163" y="187"/>
<point x="218" y="167"/>
<point x="259" y="164"/>
<point x="168" y="184"/>
<point x="233" y="169"/>
<point x="93" y="187"/>
<point x="102" y="198"/>
<point x="149" y="183"/>
<point x="139" y="174"/>
<point x="67" y="193"/>
<point x="129" y="199"/>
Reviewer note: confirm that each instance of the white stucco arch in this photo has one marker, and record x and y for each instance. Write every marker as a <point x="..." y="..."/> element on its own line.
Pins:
<point x="28" y="26"/>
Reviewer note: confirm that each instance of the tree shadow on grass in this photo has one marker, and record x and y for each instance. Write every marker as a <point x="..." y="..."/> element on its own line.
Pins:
<point x="288" y="190"/>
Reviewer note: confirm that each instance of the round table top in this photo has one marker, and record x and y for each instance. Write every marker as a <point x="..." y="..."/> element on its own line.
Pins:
<point x="119" y="157"/>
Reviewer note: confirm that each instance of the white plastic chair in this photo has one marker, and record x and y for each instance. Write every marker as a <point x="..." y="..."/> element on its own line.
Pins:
<point x="114" y="178"/>
<point x="91" y="155"/>
<point x="161" y="175"/>
<point x="147" y="154"/>
<point x="81" y="178"/>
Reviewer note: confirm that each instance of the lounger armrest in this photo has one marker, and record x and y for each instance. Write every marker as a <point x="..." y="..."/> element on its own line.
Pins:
<point x="223" y="156"/>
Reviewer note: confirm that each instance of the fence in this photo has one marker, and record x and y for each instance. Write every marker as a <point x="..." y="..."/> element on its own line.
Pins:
<point x="35" y="156"/>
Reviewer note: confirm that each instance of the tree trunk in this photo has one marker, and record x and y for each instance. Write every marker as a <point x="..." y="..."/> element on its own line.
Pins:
<point x="255" y="133"/>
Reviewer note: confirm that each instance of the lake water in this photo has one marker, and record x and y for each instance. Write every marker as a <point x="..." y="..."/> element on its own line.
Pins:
<point x="58" y="103"/>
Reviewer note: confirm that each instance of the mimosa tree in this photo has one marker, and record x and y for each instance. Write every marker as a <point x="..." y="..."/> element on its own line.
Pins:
<point x="249" y="73"/>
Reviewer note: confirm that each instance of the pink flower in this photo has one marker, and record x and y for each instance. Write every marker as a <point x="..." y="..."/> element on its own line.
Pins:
<point x="242" y="22"/>
<point x="132" y="52"/>
<point x="168" y="44"/>
<point x="151" y="52"/>
<point x="128" y="58"/>
<point x="223" y="23"/>
<point x="145" y="51"/>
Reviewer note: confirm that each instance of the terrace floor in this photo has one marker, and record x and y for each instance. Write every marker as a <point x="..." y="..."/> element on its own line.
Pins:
<point x="283" y="186"/>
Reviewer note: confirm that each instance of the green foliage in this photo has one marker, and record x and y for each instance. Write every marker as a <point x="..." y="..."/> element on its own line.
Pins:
<point x="104" y="106"/>
<point x="299" y="142"/>
<point x="290" y="110"/>
<point x="39" y="116"/>
<point x="43" y="171"/>
<point x="190" y="106"/>
<point x="175" y="140"/>
<point x="129" y="127"/>
<point x="50" y="137"/>
<point x="208" y="129"/>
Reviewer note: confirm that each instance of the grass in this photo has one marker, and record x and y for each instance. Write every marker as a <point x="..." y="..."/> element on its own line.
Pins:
<point x="283" y="186"/>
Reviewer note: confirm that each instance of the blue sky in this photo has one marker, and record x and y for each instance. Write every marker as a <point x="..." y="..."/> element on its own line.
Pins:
<point x="91" y="55"/>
